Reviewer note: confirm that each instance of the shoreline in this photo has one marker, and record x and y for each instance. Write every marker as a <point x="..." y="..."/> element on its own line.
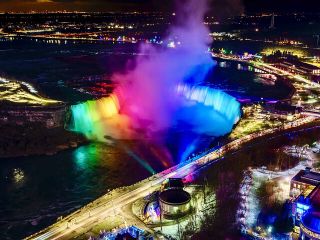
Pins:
<point x="17" y="142"/>
<point x="56" y="150"/>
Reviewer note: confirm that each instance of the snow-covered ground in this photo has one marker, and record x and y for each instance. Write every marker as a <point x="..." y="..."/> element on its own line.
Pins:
<point x="249" y="208"/>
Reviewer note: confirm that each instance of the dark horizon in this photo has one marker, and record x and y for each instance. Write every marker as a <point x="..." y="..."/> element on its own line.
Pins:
<point x="217" y="7"/>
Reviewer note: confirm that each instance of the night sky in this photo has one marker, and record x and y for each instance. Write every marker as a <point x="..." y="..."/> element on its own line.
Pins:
<point x="230" y="7"/>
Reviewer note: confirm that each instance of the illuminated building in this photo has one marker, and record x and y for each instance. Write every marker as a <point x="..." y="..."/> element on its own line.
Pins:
<point x="174" y="201"/>
<point x="300" y="206"/>
<point x="304" y="182"/>
<point x="305" y="189"/>
<point x="309" y="228"/>
<point x="310" y="220"/>
<point x="131" y="232"/>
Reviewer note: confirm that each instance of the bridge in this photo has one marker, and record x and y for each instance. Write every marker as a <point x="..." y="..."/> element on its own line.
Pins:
<point x="113" y="202"/>
<point x="268" y="68"/>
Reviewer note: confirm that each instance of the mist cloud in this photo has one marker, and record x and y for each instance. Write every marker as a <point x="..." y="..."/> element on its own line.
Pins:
<point x="161" y="89"/>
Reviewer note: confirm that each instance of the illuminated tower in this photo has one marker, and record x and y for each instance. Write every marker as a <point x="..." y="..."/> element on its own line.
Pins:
<point x="317" y="37"/>
<point x="272" y="22"/>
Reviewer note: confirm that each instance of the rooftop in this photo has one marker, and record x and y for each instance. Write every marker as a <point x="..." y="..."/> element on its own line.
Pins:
<point x="308" y="177"/>
<point x="175" y="196"/>
<point x="311" y="220"/>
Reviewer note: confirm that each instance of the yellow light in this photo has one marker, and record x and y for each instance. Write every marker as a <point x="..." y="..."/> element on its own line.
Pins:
<point x="24" y="93"/>
<point x="294" y="51"/>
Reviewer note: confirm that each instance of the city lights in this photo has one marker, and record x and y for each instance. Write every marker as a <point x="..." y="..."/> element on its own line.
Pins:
<point x="14" y="92"/>
<point x="159" y="120"/>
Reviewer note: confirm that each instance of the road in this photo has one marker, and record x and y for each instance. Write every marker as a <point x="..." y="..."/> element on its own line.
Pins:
<point x="113" y="202"/>
<point x="266" y="67"/>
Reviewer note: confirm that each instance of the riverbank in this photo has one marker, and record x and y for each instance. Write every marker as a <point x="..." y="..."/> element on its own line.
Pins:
<point x="18" y="141"/>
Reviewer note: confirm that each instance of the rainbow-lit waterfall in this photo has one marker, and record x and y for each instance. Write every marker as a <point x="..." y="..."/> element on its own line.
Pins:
<point x="209" y="111"/>
<point x="92" y="117"/>
<point x="151" y="95"/>
<point x="224" y="104"/>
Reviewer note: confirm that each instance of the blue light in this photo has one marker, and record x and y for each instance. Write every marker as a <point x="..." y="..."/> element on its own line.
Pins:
<point x="302" y="207"/>
<point x="189" y="149"/>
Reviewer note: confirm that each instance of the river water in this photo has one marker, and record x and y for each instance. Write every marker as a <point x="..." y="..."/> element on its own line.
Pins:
<point x="36" y="190"/>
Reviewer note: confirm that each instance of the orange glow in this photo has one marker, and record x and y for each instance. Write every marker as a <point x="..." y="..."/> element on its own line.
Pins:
<point x="108" y="107"/>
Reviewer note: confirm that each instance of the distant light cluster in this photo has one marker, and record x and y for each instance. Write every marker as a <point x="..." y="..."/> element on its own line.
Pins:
<point x="21" y="93"/>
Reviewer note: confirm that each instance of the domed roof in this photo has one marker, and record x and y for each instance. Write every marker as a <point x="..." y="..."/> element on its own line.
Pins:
<point x="175" y="196"/>
<point x="311" y="220"/>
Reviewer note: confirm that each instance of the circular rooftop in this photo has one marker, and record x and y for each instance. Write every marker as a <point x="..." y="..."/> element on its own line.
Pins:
<point x="311" y="220"/>
<point x="175" y="197"/>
